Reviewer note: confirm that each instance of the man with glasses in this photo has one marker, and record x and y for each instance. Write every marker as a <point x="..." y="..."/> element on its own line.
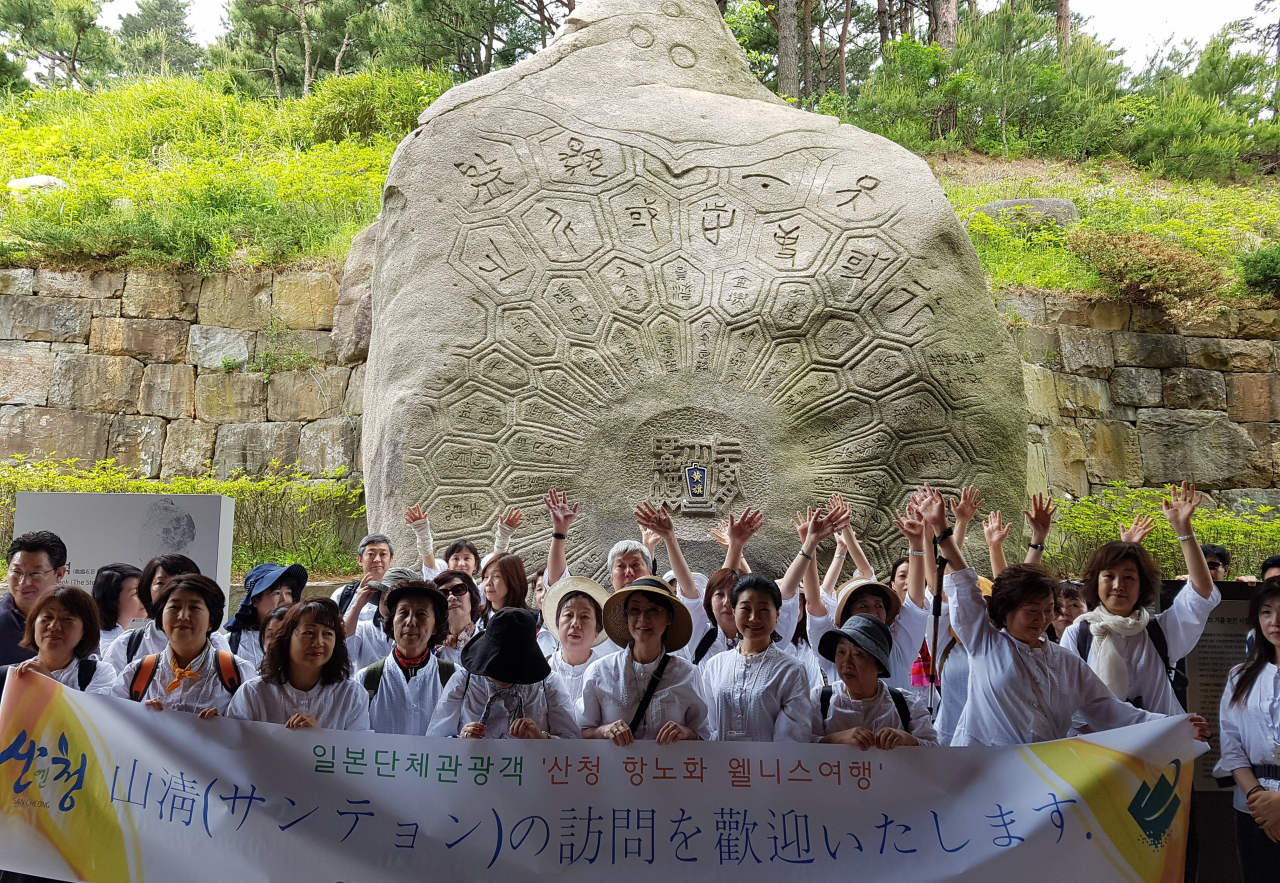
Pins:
<point x="37" y="563"/>
<point x="375" y="554"/>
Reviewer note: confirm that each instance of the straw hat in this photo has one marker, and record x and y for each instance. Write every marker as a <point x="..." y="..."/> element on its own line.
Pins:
<point x="892" y="603"/>
<point x="615" y="614"/>
<point x="589" y="587"/>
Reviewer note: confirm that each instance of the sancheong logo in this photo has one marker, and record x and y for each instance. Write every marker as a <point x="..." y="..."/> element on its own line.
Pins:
<point x="1155" y="808"/>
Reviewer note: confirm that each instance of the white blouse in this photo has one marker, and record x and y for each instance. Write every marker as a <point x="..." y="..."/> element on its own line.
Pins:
<point x="154" y="640"/>
<point x="615" y="685"/>
<point x="1250" y="732"/>
<point x="104" y="677"/>
<point x="463" y="701"/>
<point x="574" y="675"/>
<point x="106" y="636"/>
<point x="191" y="694"/>
<point x="1183" y="624"/>
<point x="250" y="649"/>
<point x="404" y="706"/>
<point x="808" y="657"/>
<point x="1017" y="694"/>
<point x="874" y="714"/>
<point x="761" y="698"/>
<point x="339" y="706"/>
<point x="369" y="644"/>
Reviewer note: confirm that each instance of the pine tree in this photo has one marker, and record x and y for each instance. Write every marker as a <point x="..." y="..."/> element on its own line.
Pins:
<point x="157" y="38"/>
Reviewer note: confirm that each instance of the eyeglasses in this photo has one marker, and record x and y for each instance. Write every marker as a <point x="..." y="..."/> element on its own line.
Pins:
<point x="17" y="576"/>
<point x="457" y="590"/>
<point x="1214" y="565"/>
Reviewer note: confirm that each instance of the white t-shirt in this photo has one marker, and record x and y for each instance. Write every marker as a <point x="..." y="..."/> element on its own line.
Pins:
<point x="574" y="675"/>
<point x="616" y="683"/>
<point x="339" y="706"/>
<point x="369" y="644"/>
<point x="1250" y="732"/>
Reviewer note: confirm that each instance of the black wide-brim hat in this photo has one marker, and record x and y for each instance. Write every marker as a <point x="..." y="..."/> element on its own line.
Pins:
<point x="507" y="650"/>
<point x="417" y="589"/>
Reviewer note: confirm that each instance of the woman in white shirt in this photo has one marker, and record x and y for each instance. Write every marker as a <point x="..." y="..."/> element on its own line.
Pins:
<point x="266" y="587"/>
<point x="464" y="609"/>
<point x="1023" y="688"/>
<point x="405" y="686"/>
<point x="115" y="589"/>
<point x="62" y="627"/>
<point x="644" y="691"/>
<point x="1249" y="726"/>
<point x="861" y="710"/>
<point x="507" y="689"/>
<point x="1116" y="635"/>
<point x="305" y="679"/>
<point x="576" y="611"/>
<point x="190" y="674"/>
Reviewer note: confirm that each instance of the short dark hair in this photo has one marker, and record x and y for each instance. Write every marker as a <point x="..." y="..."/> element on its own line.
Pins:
<point x="723" y="580"/>
<point x="1016" y="585"/>
<point x="462" y="546"/>
<point x="1070" y="590"/>
<point x="275" y="661"/>
<point x="754" y="582"/>
<point x="445" y="577"/>
<point x="573" y="596"/>
<point x="107" y="585"/>
<point x="203" y="586"/>
<point x="274" y="616"/>
<point x="1273" y="561"/>
<point x="893" y="568"/>
<point x="1110" y="556"/>
<point x="40" y="541"/>
<point x="512" y="569"/>
<point x="420" y="588"/>
<point x="79" y="604"/>
<point x="170" y="564"/>
<point x="1219" y="552"/>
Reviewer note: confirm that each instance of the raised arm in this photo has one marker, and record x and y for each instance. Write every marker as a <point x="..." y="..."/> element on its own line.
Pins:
<point x="737" y="532"/>
<point x="1179" y="508"/>
<point x="507" y="526"/>
<point x="1040" y="519"/>
<point x="364" y="594"/>
<point x="816" y="526"/>
<point x="849" y="539"/>
<point x="832" y="578"/>
<point x="964" y="509"/>
<point x="913" y="527"/>
<point x="562" y="516"/>
<point x="996" y="532"/>
<point x="420" y="522"/>
<point x="1138" y="531"/>
<point x="658" y="521"/>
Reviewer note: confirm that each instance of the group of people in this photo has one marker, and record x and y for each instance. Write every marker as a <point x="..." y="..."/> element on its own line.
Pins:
<point x="469" y="647"/>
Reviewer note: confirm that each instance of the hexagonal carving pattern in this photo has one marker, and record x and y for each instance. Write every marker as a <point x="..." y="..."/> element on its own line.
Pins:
<point x="611" y="269"/>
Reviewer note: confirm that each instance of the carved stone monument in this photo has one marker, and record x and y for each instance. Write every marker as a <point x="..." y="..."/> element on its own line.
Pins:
<point x="624" y="268"/>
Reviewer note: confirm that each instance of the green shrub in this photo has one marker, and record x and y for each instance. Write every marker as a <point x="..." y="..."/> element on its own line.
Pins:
<point x="1085" y="524"/>
<point x="285" y="516"/>
<point x="1260" y="269"/>
<point x="1145" y="267"/>
<point x="369" y="103"/>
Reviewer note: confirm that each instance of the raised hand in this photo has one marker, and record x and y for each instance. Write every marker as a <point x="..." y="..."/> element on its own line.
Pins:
<point x="911" y="526"/>
<point x="656" y="520"/>
<point x="415" y="514"/>
<point x="1180" y="506"/>
<point x="933" y="510"/>
<point x="1040" y="517"/>
<point x="802" y="520"/>
<point x="994" y="529"/>
<point x="1139" y="530"/>
<point x="967" y="506"/>
<point x="720" y="533"/>
<point x="821" y="527"/>
<point x="558" y="508"/>
<point x="513" y="519"/>
<point x="836" y="501"/>
<point x="744" y="527"/>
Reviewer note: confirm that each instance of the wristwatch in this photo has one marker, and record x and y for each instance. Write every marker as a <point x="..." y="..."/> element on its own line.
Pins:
<point x="1039" y="547"/>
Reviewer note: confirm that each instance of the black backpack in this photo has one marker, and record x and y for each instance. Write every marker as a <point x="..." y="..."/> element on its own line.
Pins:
<point x="84" y="676"/>
<point x="1177" y="678"/>
<point x="899" y="702"/>
<point x="373" y="675"/>
<point x="348" y="595"/>
<point x="133" y="642"/>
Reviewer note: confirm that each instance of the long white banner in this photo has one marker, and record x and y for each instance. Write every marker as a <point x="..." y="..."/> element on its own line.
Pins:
<point x="99" y="789"/>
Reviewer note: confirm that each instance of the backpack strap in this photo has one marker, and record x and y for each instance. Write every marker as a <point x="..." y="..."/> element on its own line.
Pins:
<point x="143" y="677"/>
<point x="133" y="642"/>
<point x="904" y="711"/>
<point x="1156" y="634"/>
<point x="704" y="644"/>
<point x="446" y="671"/>
<point x="348" y="595"/>
<point x="825" y="700"/>
<point x="233" y="640"/>
<point x="373" y="677"/>
<point x="228" y="673"/>
<point x="1084" y="641"/>
<point x="88" y="667"/>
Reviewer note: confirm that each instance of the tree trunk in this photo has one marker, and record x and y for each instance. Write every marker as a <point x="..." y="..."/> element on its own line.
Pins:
<point x="807" y="46"/>
<point x="275" y="68"/>
<point x="948" y="21"/>
<point x="306" y="48"/>
<point x="973" y="7"/>
<point x="788" y="47"/>
<point x="882" y="16"/>
<point x="823" y="59"/>
<point x="844" y="42"/>
<point x="337" y="62"/>
<point x="1064" y="24"/>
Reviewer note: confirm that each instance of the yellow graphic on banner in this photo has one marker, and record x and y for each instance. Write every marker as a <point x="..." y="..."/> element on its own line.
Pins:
<point x="81" y="825"/>
<point x="1141" y="809"/>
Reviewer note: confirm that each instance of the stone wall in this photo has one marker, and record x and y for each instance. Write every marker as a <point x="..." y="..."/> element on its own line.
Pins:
<point x="131" y="366"/>
<point x="1127" y="393"/>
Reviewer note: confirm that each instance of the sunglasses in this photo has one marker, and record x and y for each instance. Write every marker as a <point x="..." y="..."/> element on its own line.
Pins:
<point x="457" y="590"/>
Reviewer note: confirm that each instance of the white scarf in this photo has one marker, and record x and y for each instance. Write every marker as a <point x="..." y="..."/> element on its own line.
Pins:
<point x="1106" y="629"/>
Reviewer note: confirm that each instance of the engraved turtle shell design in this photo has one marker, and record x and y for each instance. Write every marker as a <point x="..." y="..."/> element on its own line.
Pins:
<point x="625" y="269"/>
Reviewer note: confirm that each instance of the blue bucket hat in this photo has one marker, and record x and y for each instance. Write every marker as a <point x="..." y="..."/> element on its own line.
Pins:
<point x="260" y="580"/>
